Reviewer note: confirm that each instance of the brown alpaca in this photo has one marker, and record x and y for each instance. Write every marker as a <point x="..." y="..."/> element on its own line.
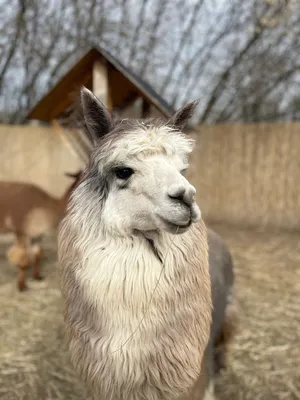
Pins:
<point x="29" y="212"/>
<point x="140" y="271"/>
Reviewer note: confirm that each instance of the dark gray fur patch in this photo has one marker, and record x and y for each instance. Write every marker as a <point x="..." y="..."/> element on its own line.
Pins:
<point x="96" y="182"/>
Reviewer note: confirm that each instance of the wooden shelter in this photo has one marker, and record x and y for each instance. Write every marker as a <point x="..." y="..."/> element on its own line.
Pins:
<point x="110" y="80"/>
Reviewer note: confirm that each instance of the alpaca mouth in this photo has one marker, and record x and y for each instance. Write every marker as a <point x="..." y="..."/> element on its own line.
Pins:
<point x="176" y="227"/>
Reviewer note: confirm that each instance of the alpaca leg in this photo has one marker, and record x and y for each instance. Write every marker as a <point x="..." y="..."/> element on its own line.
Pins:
<point x="18" y="255"/>
<point x="228" y="331"/>
<point x="22" y="279"/>
<point x="37" y="255"/>
<point x="36" y="271"/>
<point x="219" y="355"/>
<point x="210" y="392"/>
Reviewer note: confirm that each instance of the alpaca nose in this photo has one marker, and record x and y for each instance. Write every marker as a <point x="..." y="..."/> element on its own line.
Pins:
<point x="182" y="193"/>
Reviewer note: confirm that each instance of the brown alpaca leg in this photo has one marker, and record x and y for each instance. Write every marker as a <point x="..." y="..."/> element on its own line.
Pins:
<point x="21" y="279"/>
<point x="36" y="271"/>
<point x="18" y="255"/>
<point x="37" y="253"/>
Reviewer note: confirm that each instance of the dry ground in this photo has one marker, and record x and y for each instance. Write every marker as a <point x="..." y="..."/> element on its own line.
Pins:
<point x="264" y="360"/>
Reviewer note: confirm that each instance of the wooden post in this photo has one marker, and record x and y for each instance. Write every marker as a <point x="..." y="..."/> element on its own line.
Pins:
<point x="145" y="108"/>
<point x="100" y="85"/>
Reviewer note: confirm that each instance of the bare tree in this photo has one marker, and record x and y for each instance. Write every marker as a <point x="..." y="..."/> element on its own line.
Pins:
<point x="17" y="23"/>
<point x="137" y="31"/>
<point x="192" y="19"/>
<point x="154" y="37"/>
<point x="239" y="58"/>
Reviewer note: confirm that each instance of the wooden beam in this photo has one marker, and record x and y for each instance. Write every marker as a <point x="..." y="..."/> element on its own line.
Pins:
<point x="146" y="106"/>
<point x="100" y="80"/>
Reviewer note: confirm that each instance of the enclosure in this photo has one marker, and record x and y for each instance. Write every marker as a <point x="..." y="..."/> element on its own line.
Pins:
<point x="148" y="58"/>
<point x="258" y="221"/>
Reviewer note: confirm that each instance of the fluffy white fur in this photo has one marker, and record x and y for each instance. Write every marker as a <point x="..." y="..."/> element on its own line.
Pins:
<point x="138" y="312"/>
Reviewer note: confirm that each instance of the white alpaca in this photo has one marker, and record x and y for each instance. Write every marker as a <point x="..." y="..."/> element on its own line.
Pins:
<point x="135" y="264"/>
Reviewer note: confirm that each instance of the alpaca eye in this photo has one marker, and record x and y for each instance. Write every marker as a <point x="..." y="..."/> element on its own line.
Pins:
<point x="124" y="173"/>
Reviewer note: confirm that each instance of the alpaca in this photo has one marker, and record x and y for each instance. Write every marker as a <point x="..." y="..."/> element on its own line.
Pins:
<point x="134" y="259"/>
<point x="29" y="212"/>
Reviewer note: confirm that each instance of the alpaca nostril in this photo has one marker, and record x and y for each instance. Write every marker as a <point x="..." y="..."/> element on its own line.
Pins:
<point x="177" y="193"/>
<point x="179" y="197"/>
<point x="184" y="194"/>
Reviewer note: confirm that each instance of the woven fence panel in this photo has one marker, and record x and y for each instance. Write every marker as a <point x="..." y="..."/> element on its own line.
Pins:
<point x="36" y="154"/>
<point x="248" y="174"/>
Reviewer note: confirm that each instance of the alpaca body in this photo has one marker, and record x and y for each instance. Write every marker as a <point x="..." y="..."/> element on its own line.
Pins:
<point x="29" y="212"/>
<point x="136" y="279"/>
<point x="25" y="208"/>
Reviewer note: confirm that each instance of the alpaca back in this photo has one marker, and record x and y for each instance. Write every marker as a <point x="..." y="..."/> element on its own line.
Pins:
<point x="26" y="207"/>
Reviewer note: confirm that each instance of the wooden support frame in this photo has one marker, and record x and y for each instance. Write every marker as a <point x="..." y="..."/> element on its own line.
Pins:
<point x="60" y="131"/>
<point x="146" y="108"/>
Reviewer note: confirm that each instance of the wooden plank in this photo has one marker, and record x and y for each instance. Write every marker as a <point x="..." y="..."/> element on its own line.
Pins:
<point x="100" y="79"/>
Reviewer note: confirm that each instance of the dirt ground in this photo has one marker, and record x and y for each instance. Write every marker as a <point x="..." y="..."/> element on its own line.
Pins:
<point x="264" y="359"/>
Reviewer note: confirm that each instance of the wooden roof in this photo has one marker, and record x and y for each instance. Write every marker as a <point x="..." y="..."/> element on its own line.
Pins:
<point x="61" y="96"/>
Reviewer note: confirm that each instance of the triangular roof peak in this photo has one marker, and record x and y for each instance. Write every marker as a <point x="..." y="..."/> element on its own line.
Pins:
<point x="123" y="86"/>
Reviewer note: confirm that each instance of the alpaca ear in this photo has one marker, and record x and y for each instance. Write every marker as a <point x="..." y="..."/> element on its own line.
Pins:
<point x="181" y="117"/>
<point x="97" y="118"/>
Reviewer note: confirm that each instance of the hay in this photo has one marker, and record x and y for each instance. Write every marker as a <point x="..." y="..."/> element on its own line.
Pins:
<point x="34" y="362"/>
<point x="264" y="359"/>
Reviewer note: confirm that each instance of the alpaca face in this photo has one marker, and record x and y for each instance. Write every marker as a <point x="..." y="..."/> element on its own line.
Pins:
<point x="138" y="169"/>
<point x="147" y="190"/>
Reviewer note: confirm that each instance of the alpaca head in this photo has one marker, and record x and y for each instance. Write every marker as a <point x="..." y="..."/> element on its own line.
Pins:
<point x="136" y="172"/>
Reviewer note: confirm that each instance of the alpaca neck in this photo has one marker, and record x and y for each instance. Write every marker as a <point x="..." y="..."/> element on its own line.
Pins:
<point x="130" y="261"/>
<point x="125" y="271"/>
<point x="154" y="307"/>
